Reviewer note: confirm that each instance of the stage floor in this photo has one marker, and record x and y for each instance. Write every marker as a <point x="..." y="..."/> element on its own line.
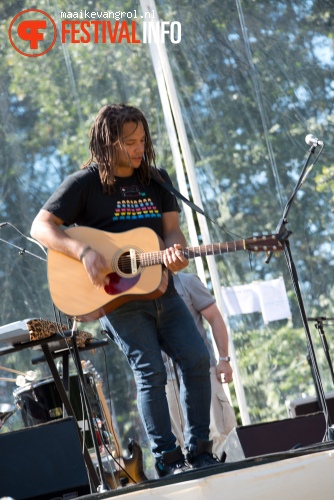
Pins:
<point x="306" y="473"/>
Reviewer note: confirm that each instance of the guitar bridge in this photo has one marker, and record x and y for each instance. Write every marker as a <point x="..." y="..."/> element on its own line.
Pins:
<point x="133" y="261"/>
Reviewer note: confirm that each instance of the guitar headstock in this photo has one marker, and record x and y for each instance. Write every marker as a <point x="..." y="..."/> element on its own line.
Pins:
<point x="91" y="371"/>
<point x="264" y="243"/>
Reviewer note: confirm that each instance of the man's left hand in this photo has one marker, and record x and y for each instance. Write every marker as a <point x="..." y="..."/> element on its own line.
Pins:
<point x="174" y="259"/>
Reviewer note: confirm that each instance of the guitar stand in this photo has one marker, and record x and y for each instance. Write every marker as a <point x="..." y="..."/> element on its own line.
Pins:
<point x="284" y="237"/>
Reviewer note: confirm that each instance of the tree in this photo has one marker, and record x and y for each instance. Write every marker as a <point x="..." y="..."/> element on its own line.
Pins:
<point x="253" y="79"/>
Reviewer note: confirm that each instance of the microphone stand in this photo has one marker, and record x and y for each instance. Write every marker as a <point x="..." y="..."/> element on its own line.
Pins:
<point x="319" y="324"/>
<point x="22" y="251"/>
<point x="284" y="237"/>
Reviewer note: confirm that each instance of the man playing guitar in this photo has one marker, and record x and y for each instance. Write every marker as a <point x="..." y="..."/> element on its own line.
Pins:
<point x="116" y="191"/>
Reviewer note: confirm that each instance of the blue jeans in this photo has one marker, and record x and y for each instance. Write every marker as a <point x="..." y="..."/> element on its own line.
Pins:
<point x="141" y="329"/>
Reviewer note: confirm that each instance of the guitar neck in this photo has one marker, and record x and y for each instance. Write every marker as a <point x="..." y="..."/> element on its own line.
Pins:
<point x="154" y="258"/>
<point x="213" y="249"/>
<point x="108" y="419"/>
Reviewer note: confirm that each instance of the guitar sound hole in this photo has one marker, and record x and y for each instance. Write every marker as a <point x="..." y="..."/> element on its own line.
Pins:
<point x="124" y="263"/>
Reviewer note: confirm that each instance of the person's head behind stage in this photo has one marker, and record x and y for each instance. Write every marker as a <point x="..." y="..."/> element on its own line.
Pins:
<point x="120" y="139"/>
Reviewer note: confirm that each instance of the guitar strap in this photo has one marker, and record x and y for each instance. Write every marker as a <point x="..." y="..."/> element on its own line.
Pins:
<point x="177" y="193"/>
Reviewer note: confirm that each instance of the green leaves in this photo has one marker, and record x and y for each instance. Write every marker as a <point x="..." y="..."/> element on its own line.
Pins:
<point x="249" y="95"/>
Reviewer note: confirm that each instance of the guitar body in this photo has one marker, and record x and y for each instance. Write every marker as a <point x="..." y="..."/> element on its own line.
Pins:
<point x="73" y="293"/>
<point x="125" y="470"/>
<point x="128" y="470"/>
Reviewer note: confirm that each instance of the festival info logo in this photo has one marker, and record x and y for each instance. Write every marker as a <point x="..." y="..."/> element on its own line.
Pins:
<point x="32" y="32"/>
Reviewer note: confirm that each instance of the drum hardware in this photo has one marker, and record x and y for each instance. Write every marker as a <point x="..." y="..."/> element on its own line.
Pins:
<point x="40" y="402"/>
<point x="6" y="411"/>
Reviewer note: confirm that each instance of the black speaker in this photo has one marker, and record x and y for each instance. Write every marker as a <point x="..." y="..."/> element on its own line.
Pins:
<point x="43" y="462"/>
<point x="305" y="406"/>
<point x="273" y="437"/>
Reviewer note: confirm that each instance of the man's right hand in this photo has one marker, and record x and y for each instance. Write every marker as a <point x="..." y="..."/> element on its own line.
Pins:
<point x="97" y="268"/>
<point x="46" y="229"/>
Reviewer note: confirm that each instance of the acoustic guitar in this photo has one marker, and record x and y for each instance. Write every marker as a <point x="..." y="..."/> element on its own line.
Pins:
<point x="136" y="268"/>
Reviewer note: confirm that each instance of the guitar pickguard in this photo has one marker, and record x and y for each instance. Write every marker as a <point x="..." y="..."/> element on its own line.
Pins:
<point x="118" y="284"/>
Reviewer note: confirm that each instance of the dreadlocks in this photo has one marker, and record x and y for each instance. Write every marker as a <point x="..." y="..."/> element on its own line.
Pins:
<point x="106" y="140"/>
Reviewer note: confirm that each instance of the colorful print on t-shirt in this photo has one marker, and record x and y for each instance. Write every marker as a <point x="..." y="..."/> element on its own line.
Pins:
<point x="139" y="208"/>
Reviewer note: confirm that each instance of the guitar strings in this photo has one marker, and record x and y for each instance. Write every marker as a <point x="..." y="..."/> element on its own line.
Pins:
<point x="156" y="257"/>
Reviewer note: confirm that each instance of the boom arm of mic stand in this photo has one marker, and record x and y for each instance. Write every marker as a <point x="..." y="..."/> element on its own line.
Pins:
<point x="22" y="250"/>
<point x="284" y="220"/>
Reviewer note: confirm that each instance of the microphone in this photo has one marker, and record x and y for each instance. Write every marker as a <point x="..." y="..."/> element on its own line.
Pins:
<point x="313" y="141"/>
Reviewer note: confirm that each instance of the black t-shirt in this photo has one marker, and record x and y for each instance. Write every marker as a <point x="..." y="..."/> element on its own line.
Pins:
<point x="80" y="200"/>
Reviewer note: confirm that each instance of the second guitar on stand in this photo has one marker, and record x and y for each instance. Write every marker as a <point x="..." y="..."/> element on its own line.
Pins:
<point x="122" y="470"/>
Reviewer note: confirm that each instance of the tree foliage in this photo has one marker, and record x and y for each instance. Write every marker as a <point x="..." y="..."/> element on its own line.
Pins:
<point x="253" y="78"/>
